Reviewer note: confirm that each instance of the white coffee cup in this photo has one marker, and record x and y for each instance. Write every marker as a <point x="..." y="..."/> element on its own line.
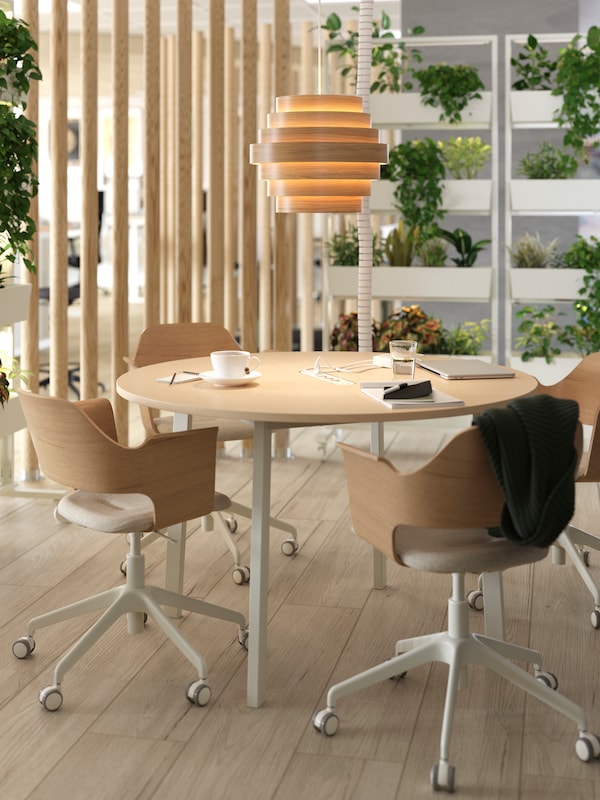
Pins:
<point x="233" y="363"/>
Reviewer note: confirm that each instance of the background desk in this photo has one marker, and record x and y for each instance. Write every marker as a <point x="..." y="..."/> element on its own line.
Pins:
<point x="283" y="398"/>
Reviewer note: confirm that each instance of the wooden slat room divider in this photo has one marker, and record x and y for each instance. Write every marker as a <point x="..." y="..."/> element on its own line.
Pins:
<point x="205" y="96"/>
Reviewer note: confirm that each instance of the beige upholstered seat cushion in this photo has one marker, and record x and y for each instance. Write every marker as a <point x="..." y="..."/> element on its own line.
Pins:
<point x="463" y="550"/>
<point x="110" y="513"/>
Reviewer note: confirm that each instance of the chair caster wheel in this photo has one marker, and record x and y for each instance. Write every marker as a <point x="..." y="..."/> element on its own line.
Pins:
<point x="23" y="647"/>
<point x="123" y="567"/>
<point x="326" y="722"/>
<point x="289" y="547"/>
<point x="595" y="619"/>
<point x="241" y="575"/>
<point x="232" y="524"/>
<point x="243" y="638"/>
<point x="198" y="693"/>
<point x="51" y="698"/>
<point x="548" y="678"/>
<point x="587" y="746"/>
<point x="442" y="777"/>
<point x="475" y="600"/>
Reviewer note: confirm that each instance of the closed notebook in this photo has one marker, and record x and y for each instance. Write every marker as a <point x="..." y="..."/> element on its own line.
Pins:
<point x="376" y="390"/>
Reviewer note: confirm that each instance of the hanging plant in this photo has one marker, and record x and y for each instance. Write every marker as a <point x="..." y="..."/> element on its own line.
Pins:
<point x="418" y="169"/>
<point x="578" y="82"/>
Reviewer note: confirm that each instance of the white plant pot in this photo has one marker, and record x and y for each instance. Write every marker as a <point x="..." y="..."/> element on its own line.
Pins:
<point x="415" y="283"/>
<point x="545" y="373"/>
<point x="14" y="303"/>
<point x="405" y="110"/>
<point x="458" y="196"/>
<point x="531" y="109"/>
<point x="12" y="418"/>
<point x="545" y="284"/>
<point x="561" y="197"/>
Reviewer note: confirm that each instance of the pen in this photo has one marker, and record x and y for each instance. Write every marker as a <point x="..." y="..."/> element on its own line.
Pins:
<point x="173" y="378"/>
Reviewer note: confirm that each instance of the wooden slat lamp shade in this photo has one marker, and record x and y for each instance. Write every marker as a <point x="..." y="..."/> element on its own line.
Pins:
<point x="318" y="154"/>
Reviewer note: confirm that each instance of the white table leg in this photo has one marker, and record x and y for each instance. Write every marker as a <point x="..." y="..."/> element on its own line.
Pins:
<point x="379" y="570"/>
<point x="259" y="565"/>
<point x="174" y="563"/>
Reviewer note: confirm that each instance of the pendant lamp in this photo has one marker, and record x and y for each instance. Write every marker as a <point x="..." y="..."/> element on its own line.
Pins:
<point x="318" y="154"/>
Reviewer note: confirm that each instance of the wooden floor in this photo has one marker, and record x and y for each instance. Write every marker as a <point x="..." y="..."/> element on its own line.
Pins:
<point x="126" y="729"/>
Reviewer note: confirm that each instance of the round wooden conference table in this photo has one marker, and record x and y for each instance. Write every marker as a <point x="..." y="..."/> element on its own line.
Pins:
<point x="283" y="397"/>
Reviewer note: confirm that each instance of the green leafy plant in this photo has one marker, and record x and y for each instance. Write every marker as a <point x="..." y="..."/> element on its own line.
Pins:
<point x="584" y="333"/>
<point x="14" y="371"/>
<point x="539" y="332"/>
<point x="534" y="67"/>
<point x="418" y="170"/>
<point x="583" y="254"/>
<point x="465" y="156"/>
<point x="18" y="141"/>
<point x="578" y="82"/>
<point x="548" y="163"/>
<point x="343" y="249"/>
<point x="344" y="335"/>
<point x="449" y="87"/>
<point x="411" y="322"/>
<point x="529" y="252"/>
<point x="400" y="245"/>
<point x="466" y="339"/>
<point x="466" y="248"/>
<point x="432" y="252"/>
<point x="390" y="57"/>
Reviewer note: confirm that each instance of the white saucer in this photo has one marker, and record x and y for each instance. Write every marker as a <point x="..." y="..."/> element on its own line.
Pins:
<point x="212" y="377"/>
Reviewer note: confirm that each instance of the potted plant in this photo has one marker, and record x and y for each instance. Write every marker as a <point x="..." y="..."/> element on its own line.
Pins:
<point x="400" y="245"/>
<point x="584" y="333"/>
<point x="18" y="141"/>
<point x="539" y="333"/>
<point x="467" y="250"/>
<point x="528" y="255"/>
<point x="537" y="192"/>
<point x="534" y="67"/>
<point x="464" y="340"/>
<point x="548" y="163"/>
<point x="417" y="169"/>
<point x="450" y="88"/>
<point x="390" y="58"/>
<point x="464" y="156"/>
<point x="343" y="248"/>
<point x="578" y="83"/>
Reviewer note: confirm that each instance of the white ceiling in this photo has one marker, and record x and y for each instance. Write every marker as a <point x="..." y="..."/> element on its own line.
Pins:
<point x="300" y="11"/>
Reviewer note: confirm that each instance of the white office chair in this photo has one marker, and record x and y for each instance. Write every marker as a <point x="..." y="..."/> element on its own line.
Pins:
<point x="128" y="490"/>
<point x="436" y="519"/>
<point x="172" y="341"/>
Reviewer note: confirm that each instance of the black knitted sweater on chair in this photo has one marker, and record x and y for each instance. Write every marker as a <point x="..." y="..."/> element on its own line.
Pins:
<point x="531" y="448"/>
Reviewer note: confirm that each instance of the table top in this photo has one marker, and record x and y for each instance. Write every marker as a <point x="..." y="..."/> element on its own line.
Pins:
<point x="283" y="395"/>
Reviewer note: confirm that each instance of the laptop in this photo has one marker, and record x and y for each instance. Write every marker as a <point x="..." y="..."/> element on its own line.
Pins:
<point x="464" y="368"/>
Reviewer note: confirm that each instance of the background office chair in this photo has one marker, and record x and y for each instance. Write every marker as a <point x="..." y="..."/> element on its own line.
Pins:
<point x="172" y="341"/>
<point x="167" y="480"/>
<point x="435" y="520"/>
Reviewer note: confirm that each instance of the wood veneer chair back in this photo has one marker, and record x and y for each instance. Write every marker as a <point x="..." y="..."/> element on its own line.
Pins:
<point x="77" y="446"/>
<point x="583" y="385"/>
